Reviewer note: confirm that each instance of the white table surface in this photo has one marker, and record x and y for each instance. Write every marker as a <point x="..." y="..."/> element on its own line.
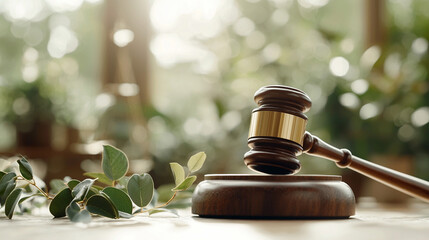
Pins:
<point x="370" y="222"/>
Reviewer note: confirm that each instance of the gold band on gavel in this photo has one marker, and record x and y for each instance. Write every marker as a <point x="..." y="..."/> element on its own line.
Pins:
<point x="277" y="124"/>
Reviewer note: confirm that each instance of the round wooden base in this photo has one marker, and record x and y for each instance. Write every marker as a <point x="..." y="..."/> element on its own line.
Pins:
<point x="273" y="196"/>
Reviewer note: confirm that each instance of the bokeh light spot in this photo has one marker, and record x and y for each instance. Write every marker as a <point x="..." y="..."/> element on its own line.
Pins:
<point x="349" y="100"/>
<point x="368" y="111"/>
<point x="370" y="56"/>
<point x="420" y="117"/>
<point x="244" y="27"/>
<point x="339" y="66"/>
<point x="123" y="37"/>
<point x="406" y="133"/>
<point x="359" y="86"/>
<point x="420" y="45"/>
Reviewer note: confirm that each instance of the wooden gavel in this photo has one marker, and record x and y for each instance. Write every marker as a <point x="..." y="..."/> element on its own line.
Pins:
<point x="277" y="136"/>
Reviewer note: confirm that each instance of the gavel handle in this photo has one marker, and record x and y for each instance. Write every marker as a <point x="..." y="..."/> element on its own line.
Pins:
<point x="344" y="159"/>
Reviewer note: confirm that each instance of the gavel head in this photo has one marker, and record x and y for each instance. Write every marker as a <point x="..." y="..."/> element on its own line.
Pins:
<point x="277" y="130"/>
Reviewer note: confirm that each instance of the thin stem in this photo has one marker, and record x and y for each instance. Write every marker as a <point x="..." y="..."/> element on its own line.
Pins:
<point x="162" y="205"/>
<point x="43" y="192"/>
<point x="35" y="185"/>
<point x="168" y="202"/>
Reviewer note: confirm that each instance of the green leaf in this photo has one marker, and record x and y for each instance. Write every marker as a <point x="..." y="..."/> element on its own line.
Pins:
<point x="75" y="214"/>
<point x="101" y="205"/>
<point x="185" y="184"/>
<point x="2" y="174"/>
<point x="7" y="190"/>
<point x="72" y="210"/>
<point x="114" y="162"/>
<point x="92" y="191"/>
<point x="29" y="197"/>
<point x="81" y="190"/>
<point x="140" y="189"/>
<point x="57" y="185"/>
<point x="120" y="199"/>
<point x="25" y="168"/>
<point x="178" y="172"/>
<point x="72" y="183"/>
<point x="11" y="202"/>
<point x="98" y="188"/>
<point x="60" y="202"/>
<point x="196" y="161"/>
<point x="101" y="177"/>
<point x="6" y="178"/>
<point x="7" y="184"/>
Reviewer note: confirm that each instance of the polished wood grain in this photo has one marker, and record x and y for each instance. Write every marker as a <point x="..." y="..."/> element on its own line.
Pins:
<point x="279" y="156"/>
<point x="270" y="154"/>
<point x="273" y="196"/>
<point x="343" y="158"/>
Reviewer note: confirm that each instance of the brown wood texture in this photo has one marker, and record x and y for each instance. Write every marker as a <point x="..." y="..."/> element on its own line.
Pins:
<point x="375" y="23"/>
<point x="278" y="156"/>
<point x="133" y="15"/>
<point x="273" y="196"/>
<point x="272" y="155"/>
<point x="275" y="155"/>
<point x="343" y="158"/>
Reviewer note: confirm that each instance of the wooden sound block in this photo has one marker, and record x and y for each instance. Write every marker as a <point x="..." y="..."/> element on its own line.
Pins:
<point x="273" y="196"/>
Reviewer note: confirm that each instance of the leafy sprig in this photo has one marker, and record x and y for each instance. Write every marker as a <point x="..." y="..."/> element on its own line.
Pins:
<point x="194" y="164"/>
<point x="80" y="200"/>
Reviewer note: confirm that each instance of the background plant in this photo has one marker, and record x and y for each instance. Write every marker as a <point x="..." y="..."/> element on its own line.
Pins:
<point x="232" y="49"/>
<point x="383" y="110"/>
<point x="123" y="196"/>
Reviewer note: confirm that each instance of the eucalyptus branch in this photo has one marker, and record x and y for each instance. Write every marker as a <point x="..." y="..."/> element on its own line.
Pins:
<point x="33" y="183"/>
<point x="79" y="199"/>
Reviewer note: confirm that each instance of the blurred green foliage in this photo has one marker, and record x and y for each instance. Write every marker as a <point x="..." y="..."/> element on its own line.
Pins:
<point x="391" y="116"/>
<point x="363" y="98"/>
<point x="49" y="65"/>
<point x="211" y="56"/>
